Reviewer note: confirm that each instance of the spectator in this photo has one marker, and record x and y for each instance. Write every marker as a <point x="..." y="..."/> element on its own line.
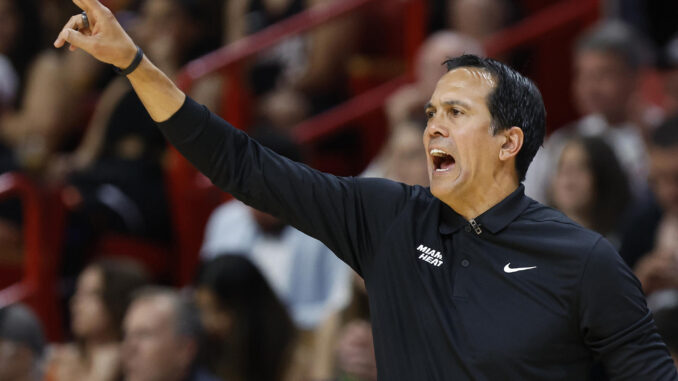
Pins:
<point x="607" y="60"/>
<point x="313" y="64"/>
<point x="403" y="157"/>
<point x="658" y="270"/>
<point x="251" y="336"/>
<point x="303" y="272"/>
<point x="662" y="203"/>
<point x="21" y="344"/>
<point x="479" y="19"/>
<point x="354" y="357"/>
<point x="103" y="292"/>
<point x="162" y="338"/>
<point x="591" y="188"/>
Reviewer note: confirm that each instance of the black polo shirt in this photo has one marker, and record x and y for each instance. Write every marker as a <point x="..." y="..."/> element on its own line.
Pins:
<point x="519" y="293"/>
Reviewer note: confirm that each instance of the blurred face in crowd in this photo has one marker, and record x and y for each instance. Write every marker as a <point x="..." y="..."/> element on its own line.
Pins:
<point x="165" y="30"/>
<point x="90" y="317"/>
<point x="9" y="25"/>
<point x="463" y="154"/>
<point x="664" y="177"/>
<point x="16" y="361"/>
<point x="477" y="18"/>
<point x="436" y="49"/>
<point x="603" y="84"/>
<point x="572" y="187"/>
<point x="152" y="350"/>
<point x="406" y="158"/>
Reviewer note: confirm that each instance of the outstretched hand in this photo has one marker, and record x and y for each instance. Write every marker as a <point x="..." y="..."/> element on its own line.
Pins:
<point x="104" y="38"/>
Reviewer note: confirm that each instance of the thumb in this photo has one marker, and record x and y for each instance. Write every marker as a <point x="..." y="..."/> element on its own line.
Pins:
<point x="74" y="38"/>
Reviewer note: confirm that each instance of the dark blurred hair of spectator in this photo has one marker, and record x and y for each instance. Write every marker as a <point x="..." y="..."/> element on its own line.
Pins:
<point x="21" y="344"/>
<point x="590" y="185"/>
<point x="162" y="338"/>
<point x="250" y="334"/>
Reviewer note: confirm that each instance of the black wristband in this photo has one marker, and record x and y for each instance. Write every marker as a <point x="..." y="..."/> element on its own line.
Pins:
<point x="135" y="62"/>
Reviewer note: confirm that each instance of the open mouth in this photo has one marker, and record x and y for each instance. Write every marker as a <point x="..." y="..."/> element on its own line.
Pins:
<point x="442" y="161"/>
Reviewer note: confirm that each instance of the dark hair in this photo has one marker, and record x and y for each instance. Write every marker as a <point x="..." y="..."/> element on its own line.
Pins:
<point x="120" y="279"/>
<point x="263" y="333"/>
<point x="611" y="189"/>
<point x="666" y="134"/>
<point x="515" y="101"/>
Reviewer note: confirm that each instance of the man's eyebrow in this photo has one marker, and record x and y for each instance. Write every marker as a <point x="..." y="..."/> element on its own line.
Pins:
<point x="454" y="102"/>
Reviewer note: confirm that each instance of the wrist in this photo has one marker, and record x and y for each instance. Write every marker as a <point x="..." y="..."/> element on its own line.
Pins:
<point x="132" y="65"/>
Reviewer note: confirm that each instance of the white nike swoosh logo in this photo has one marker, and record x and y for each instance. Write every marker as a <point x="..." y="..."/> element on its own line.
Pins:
<point x="508" y="269"/>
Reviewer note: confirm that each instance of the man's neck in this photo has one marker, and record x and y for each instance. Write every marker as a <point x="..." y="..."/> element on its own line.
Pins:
<point x="472" y="204"/>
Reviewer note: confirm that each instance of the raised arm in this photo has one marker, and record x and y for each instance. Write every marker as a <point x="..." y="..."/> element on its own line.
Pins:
<point x="108" y="42"/>
<point x="348" y="215"/>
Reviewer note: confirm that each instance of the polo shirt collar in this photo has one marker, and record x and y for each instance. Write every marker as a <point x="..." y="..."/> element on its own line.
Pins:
<point x="494" y="219"/>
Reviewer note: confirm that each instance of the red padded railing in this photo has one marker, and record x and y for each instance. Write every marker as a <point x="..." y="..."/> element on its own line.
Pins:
<point x="540" y="25"/>
<point x="530" y="30"/>
<point x="41" y="231"/>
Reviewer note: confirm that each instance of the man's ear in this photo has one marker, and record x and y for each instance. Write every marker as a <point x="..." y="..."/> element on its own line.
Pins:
<point x="513" y="142"/>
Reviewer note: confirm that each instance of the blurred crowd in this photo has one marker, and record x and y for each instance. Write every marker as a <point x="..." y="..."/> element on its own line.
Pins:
<point x="268" y="302"/>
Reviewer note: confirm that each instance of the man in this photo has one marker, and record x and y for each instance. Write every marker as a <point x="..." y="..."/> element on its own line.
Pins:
<point x="22" y="344"/>
<point x="653" y="240"/>
<point x="468" y="280"/>
<point x="162" y="332"/>
<point x="607" y="62"/>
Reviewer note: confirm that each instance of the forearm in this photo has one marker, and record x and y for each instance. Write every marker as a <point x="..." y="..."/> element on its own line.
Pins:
<point x="160" y="96"/>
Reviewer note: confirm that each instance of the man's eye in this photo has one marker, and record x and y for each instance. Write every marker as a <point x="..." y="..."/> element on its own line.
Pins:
<point x="456" y="112"/>
<point x="430" y="114"/>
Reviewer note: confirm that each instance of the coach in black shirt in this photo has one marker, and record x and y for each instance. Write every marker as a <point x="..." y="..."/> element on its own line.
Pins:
<point x="468" y="280"/>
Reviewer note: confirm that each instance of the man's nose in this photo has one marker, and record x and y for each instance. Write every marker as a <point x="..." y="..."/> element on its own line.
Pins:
<point x="435" y="128"/>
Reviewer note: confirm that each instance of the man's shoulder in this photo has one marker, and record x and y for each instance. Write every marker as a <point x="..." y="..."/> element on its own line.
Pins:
<point x="553" y="225"/>
<point x="393" y="192"/>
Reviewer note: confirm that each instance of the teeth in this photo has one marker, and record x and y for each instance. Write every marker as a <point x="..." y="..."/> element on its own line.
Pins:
<point x="438" y="152"/>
